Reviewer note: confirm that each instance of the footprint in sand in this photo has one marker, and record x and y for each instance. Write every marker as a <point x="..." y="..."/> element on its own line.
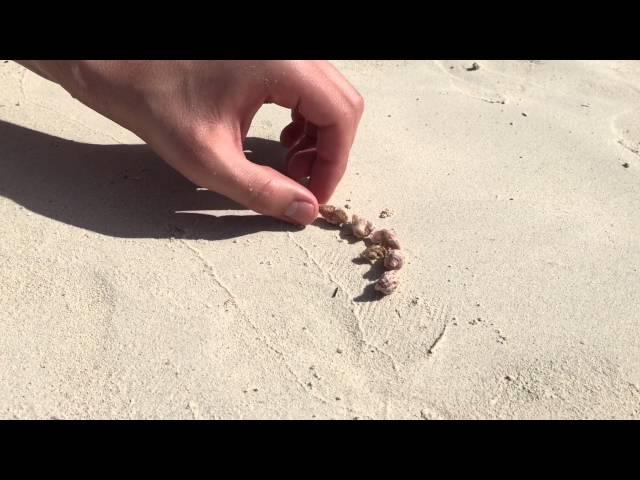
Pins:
<point x="626" y="130"/>
<point x="383" y="342"/>
<point x="579" y="382"/>
<point x="471" y="83"/>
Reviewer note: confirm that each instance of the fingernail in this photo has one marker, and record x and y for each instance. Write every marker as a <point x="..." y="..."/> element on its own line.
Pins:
<point x="301" y="212"/>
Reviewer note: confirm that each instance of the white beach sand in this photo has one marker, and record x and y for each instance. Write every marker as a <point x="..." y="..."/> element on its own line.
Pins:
<point x="521" y="228"/>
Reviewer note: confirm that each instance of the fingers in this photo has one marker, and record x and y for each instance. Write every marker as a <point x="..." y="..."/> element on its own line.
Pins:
<point x="291" y="134"/>
<point x="300" y="165"/>
<point x="332" y="154"/>
<point x="303" y="143"/>
<point x="259" y="188"/>
<point x="333" y="108"/>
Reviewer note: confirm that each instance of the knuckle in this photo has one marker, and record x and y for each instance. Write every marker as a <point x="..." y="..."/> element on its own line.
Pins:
<point x="357" y="102"/>
<point x="352" y="106"/>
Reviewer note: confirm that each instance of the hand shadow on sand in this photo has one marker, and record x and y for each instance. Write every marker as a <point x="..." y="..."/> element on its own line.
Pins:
<point x="121" y="190"/>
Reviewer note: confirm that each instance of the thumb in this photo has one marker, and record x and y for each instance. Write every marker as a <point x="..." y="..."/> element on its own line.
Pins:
<point x="260" y="188"/>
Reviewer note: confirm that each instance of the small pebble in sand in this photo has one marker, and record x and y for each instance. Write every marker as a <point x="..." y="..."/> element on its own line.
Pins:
<point x="385" y="213"/>
<point x="625" y="165"/>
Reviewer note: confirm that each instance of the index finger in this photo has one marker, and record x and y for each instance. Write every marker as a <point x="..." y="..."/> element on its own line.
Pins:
<point x="335" y="108"/>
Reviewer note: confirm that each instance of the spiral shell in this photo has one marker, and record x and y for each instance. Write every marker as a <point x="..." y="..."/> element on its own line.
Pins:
<point x="386" y="238"/>
<point x="361" y="228"/>
<point x="333" y="215"/>
<point x="388" y="282"/>
<point x="393" y="260"/>
<point x="374" y="253"/>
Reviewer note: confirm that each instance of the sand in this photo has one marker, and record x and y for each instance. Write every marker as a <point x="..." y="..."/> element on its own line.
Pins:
<point x="128" y="293"/>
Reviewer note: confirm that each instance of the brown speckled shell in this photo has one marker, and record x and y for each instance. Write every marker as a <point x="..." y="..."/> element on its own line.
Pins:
<point x="374" y="253"/>
<point x="327" y="210"/>
<point x="333" y="215"/>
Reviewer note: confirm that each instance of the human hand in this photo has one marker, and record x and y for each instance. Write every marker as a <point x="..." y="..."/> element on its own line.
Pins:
<point x="196" y="114"/>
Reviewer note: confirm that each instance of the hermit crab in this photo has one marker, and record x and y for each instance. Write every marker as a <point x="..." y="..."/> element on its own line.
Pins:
<point x="383" y="245"/>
